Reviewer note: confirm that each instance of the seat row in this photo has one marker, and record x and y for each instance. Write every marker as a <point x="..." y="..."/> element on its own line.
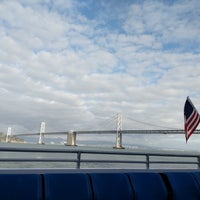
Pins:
<point x="101" y="186"/>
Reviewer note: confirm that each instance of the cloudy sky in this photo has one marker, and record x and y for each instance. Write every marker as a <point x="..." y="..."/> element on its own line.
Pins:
<point x="75" y="64"/>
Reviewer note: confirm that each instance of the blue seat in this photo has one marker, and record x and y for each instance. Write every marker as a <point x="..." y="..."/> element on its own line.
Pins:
<point x="111" y="186"/>
<point x="197" y="177"/>
<point x="148" y="186"/>
<point x="21" y="187"/>
<point x="72" y="186"/>
<point x="183" y="186"/>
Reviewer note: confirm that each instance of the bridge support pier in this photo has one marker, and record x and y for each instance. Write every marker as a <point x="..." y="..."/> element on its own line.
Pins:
<point x="8" y="136"/>
<point x="71" y="138"/>
<point x="42" y="131"/>
<point x="118" y="144"/>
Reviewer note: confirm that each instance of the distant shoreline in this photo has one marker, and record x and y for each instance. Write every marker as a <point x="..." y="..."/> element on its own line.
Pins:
<point x="12" y="139"/>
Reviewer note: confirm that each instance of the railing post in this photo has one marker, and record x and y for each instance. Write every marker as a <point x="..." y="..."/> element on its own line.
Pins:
<point x="147" y="162"/>
<point x="78" y="163"/>
<point x="198" y="158"/>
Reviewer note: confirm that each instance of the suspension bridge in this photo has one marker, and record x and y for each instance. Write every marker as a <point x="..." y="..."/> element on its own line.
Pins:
<point x="72" y="135"/>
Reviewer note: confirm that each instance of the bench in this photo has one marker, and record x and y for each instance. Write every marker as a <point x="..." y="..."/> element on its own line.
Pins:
<point x="101" y="186"/>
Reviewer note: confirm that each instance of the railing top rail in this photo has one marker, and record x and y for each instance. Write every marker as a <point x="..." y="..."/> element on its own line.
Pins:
<point x="94" y="151"/>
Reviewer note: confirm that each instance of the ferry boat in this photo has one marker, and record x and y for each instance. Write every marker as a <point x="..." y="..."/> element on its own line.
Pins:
<point x="87" y="173"/>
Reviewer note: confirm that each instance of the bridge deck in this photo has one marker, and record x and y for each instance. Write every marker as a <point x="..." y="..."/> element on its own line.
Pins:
<point x="178" y="131"/>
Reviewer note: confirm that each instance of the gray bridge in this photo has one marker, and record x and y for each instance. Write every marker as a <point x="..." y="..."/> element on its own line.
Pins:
<point x="71" y="135"/>
<point x="174" y="131"/>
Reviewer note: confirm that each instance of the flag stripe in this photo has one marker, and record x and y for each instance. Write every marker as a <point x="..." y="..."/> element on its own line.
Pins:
<point x="191" y="118"/>
<point x="192" y="130"/>
<point x="195" y="124"/>
<point x="193" y="121"/>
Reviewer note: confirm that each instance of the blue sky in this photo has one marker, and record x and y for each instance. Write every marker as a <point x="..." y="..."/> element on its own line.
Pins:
<point x="75" y="64"/>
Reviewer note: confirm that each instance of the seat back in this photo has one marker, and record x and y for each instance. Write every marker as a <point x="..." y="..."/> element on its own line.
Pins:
<point x="111" y="186"/>
<point x="21" y="187"/>
<point x="148" y="185"/>
<point x="197" y="177"/>
<point x="71" y="186"/>
<point x="183" y="185"/>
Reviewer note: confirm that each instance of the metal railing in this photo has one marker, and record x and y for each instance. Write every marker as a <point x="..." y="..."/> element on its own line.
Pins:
<point x="83" y="158"/>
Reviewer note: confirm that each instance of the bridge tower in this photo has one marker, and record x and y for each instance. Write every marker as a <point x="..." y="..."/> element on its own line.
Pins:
<point x="118" y="144"/>
<point x="42" y="131"/>
<point x="8" y="136"/>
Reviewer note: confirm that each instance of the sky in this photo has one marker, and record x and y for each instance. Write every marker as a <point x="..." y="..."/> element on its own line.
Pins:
<point x="75" y="64"/>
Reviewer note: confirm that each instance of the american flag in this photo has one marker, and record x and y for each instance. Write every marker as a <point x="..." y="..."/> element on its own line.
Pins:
<point x="192" y="118"/>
